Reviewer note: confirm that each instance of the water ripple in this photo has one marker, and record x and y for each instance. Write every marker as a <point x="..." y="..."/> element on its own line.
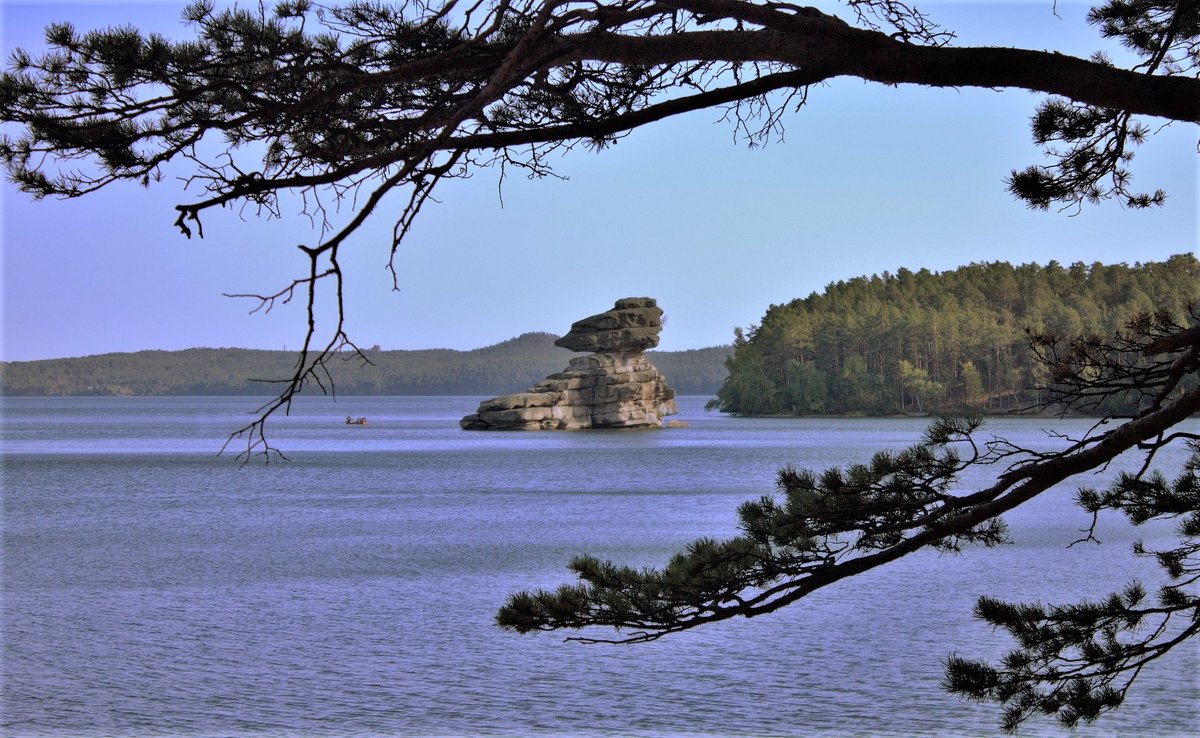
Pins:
<point x="152" y="590"/>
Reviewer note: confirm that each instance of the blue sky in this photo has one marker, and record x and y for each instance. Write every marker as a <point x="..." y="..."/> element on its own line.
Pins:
<point x="868" y="179"/>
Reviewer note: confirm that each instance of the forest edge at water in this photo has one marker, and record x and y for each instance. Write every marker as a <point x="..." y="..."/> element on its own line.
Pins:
<point x="909" y="343"/>
<point x="951" y="342"/>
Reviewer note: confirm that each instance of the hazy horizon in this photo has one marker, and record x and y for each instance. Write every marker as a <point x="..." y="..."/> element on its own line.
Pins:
<point x="364" y="348"/>
<point x="868" y="179"/>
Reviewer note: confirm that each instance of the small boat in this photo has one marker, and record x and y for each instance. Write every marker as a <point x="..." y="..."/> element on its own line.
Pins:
<point x="355" y="421"/>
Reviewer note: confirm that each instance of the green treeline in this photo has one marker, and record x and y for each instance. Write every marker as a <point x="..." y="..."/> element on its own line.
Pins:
<point x="511" y="366"/>
<point x="919" y="342"/>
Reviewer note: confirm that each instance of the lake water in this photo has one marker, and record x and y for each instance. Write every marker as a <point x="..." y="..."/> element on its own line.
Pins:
<point x="151" y="587"/>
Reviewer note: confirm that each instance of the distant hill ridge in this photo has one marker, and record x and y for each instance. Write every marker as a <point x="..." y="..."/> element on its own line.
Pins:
<point x="505" y="367"/>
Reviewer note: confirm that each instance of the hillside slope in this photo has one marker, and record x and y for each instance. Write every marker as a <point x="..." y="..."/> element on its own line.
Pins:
<point x="509" y="366"/>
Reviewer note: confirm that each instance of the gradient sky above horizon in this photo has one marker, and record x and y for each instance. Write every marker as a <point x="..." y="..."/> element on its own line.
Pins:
<point x="868" y="179"/>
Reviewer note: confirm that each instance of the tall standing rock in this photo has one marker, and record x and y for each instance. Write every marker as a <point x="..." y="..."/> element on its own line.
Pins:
<point x="615" y="386"/>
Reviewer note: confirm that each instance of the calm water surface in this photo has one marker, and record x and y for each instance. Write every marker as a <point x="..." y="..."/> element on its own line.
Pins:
<point x="151" y="587"/>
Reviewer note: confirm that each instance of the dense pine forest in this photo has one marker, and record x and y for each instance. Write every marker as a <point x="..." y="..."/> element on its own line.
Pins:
<point x="921" y="342"/>
<point x="510" y="366"/>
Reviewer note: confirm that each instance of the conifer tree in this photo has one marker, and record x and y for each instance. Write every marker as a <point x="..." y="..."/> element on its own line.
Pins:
<point x="940" y="343"/>
<point x="341" y="106"/>
<point x="1072" y="661"/>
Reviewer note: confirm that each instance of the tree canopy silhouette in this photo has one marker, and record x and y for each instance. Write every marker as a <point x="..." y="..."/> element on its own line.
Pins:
<point x="342" y="106"/>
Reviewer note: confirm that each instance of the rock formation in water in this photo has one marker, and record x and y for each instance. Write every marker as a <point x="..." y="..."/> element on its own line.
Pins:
<point x="615" y="386"/>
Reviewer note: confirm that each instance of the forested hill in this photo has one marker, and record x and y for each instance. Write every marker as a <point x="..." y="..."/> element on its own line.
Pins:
<point x="918" y="342"/>
<point x="511" y="366"/>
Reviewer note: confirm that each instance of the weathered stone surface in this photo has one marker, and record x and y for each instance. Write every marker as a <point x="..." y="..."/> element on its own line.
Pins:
<point x="616" y="387"/>
<point x="632" y="326"/>
<point x="532" y="398"/>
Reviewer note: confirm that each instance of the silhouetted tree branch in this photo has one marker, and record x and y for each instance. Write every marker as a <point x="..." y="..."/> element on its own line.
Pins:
<point x="822" y="528"/>
<point x="355" y="102"/>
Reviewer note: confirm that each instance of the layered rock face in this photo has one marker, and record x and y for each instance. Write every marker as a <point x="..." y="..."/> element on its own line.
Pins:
<point x="631" y="327"/>
<point x="614" y="387"/>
